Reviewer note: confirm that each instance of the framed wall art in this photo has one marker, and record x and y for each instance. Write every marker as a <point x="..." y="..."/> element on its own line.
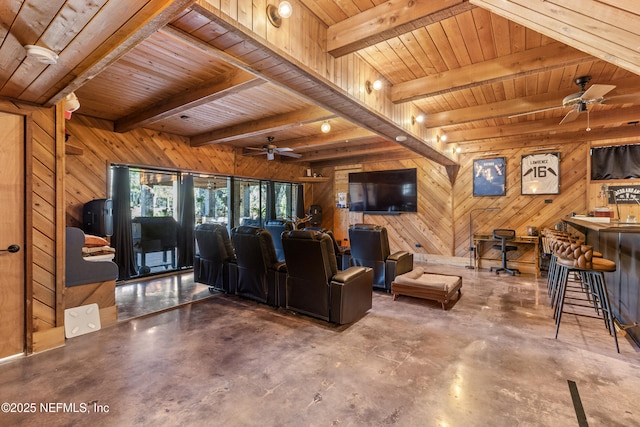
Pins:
<point x="540" y="174"/>
<point x="489" y="176"/>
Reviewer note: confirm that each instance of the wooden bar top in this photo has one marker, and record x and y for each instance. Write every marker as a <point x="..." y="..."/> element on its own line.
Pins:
<point x="613" y="226"/>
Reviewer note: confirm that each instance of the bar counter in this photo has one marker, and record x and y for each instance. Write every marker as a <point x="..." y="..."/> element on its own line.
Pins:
<point x="619" y="242"/>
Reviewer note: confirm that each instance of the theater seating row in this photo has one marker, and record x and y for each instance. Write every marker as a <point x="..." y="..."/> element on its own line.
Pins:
<point x="306" y="276"/>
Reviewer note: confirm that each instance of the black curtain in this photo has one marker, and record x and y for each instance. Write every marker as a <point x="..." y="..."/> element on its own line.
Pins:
<point x="300" y="212"/>
<point x="186" y="221"/>
<point x="271" y="201"/>
<point x="620" y="162"/>
<point x="122" y="239"/>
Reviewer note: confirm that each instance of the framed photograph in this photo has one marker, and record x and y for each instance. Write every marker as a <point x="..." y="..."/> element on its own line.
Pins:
<point x="540" y="174"/>
<point x="489" y="176"/>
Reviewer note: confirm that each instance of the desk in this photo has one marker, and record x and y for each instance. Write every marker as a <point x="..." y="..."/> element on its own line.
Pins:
<point x="526" y="258"/>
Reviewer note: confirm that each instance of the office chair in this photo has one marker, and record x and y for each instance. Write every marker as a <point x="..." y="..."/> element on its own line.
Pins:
<point x="504" y="235"/>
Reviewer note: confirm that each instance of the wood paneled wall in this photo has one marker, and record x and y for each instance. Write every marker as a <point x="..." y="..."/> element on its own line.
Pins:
<point x="86" y="177"/>
<point x="43" y="225"/>
<point x="441" y="226"/>
<point x="430" y="231"/>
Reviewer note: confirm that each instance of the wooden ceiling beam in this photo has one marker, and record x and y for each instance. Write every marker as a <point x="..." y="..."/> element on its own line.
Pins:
<point x="548" y="126"/>
<point x="228" y="84"/>
<point x="508" y="67"/>
<point x="388" y="20"/>
<point x="332" y="138"/>
<point x="552" y="141"/>
<point x="584" y="25"/>
<point x="346" y="150"/>
<point x="390" y="155"/>
<point x="625" y="89"/>
<point x="155" y="15"/>
<point x="282" y="71"/>
<point x="263" y="126"/>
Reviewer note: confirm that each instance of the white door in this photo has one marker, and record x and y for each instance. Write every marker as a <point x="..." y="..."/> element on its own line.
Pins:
<point x="12" y="283"/>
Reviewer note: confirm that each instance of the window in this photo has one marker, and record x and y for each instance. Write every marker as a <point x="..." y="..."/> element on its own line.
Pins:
<point x="285" y="200"/>
<point x="153" y="193"/>
<point x="211" y="199"/>
<point x="229" y="201"/>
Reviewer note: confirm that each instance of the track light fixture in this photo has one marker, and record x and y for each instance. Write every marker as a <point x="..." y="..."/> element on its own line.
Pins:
<point x="276" y="14"/>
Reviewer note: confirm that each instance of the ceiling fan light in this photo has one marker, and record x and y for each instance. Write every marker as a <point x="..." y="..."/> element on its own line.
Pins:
<point x="582" y="106"/>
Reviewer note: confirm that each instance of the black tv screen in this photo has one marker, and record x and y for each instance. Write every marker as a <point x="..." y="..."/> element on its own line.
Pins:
<point x="383" y="192"/>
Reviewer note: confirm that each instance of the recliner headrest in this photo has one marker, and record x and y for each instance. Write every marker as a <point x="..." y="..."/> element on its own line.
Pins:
<point x="303" y="234"/>
<point x="366" y="227"/>
<point x="247" y="229"/>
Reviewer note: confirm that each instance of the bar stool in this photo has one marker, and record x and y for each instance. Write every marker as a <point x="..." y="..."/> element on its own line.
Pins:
<point x="579" y="259"/>
<point x="555" y="242"/>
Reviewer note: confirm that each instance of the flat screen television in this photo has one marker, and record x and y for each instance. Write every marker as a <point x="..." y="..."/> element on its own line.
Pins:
<point x="383" y="192"/>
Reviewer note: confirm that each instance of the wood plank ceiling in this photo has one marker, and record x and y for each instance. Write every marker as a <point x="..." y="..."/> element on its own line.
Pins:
<point x="467" y="65"/>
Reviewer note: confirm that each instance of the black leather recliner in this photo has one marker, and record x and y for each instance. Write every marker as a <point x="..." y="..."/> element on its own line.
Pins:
<point x="370" y="248"/>
<point x="214" y="262"/>
<point x="316" y="287"/>
<point x="261" y="276"/>
<point x="343" y="255"/>
<point x="276" y="227"/>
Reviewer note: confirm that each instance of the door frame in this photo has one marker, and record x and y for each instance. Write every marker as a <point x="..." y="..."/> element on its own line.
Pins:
<point x="27" y="224"/>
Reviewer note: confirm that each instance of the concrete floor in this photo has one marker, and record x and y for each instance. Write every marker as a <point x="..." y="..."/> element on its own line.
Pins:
<point x="490" y="360"/>
<point x="148" y="295"/>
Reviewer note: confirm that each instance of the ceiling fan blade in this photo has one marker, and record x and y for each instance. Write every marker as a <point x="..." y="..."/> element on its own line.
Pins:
<point x="535" y="111"/>
<point x="571" y="116"/>
<point x="280" y="149"/>
<point x="596" y="92"/>
<point x="248" y="151"/>
<point x="289" y="154"/>
<point x="622" y="99"/>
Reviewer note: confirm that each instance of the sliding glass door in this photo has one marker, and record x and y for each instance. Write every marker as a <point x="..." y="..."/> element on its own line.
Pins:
<point x="162" y="230"/>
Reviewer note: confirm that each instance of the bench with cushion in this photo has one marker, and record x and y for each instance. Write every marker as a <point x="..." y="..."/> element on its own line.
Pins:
<point x="420" y="284"/>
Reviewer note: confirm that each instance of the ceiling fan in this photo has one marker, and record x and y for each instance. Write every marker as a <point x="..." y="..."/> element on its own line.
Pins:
<point x="579" y="101"/>
<point x="271" y="150"/>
